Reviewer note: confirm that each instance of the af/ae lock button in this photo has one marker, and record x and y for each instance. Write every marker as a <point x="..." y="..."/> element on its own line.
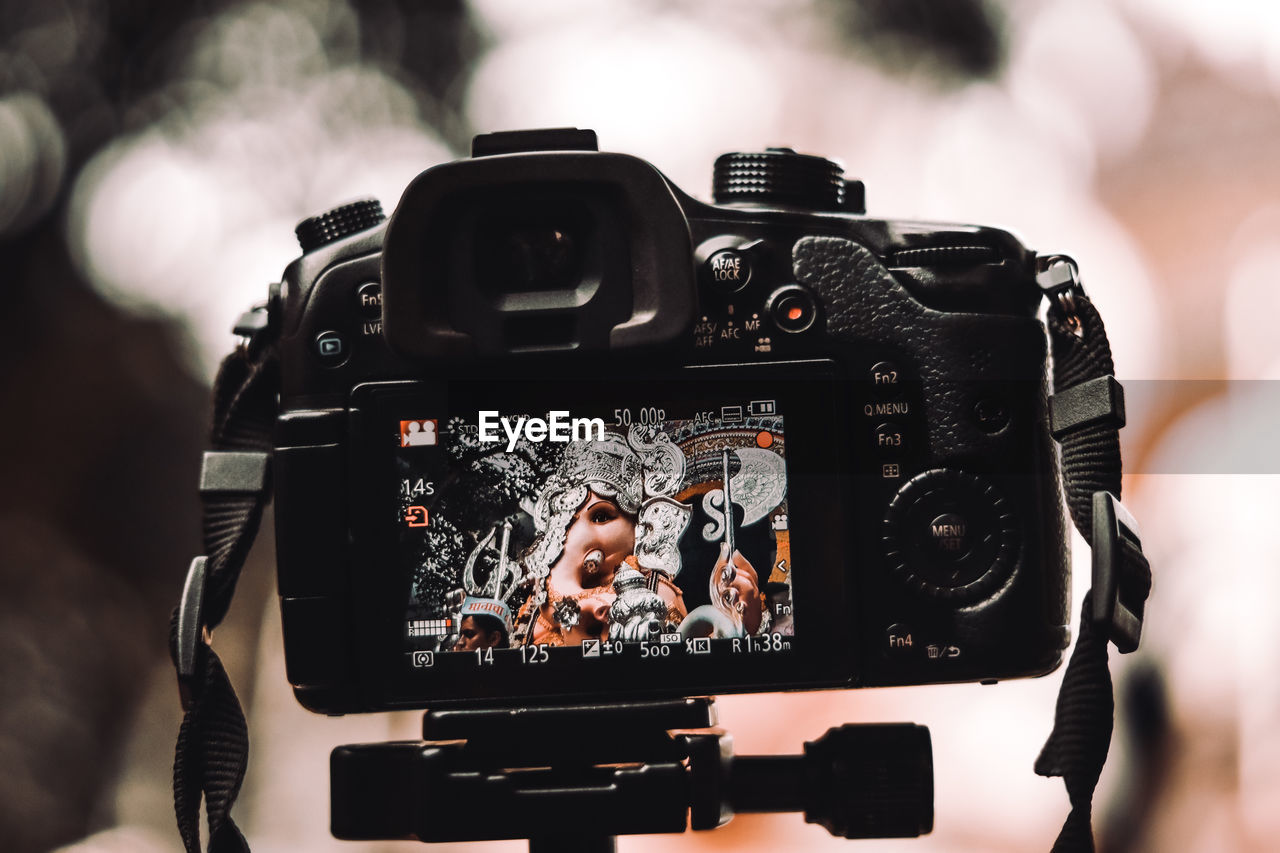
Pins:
<point x="727" y="263"/>
<point x="728" y="270"/>
<point x="792" y="308"/>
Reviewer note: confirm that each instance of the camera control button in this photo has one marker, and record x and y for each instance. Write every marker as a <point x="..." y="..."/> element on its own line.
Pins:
<point x="949" y="536"/>
<point x="899" y="639"/>
<point x="728" y="270"/>
<point x="793" y="309"/>
<point x="991" y="413"/>
<point x="369" y="300"/>
<point x="886" y="377"/>
<point x="889" y="438"/>
<point x="332" y="349"/>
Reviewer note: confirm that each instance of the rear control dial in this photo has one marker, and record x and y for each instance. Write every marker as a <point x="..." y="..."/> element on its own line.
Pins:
<point x="951" y="534"/>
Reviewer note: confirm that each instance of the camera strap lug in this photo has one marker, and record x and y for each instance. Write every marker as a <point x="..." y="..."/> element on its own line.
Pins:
<point x="1121" y="574"/>
<point x="1059" y="279"/>
<point x="260" y="324"/>
<point x="252" y="322"/>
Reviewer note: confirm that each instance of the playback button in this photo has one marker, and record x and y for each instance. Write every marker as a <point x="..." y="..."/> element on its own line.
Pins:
<point x="332" y="349"/>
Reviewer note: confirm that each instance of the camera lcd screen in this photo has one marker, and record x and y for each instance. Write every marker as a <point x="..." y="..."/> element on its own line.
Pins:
<point x="535" y="537"/>
<point x="593" y="528"/>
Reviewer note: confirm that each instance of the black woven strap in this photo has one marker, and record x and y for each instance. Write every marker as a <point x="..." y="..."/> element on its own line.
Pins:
<point x="1089" y="435"/>
<point x="213" y="743"/>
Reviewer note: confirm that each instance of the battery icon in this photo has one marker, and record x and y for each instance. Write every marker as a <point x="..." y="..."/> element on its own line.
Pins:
<point x="759" y="408"/>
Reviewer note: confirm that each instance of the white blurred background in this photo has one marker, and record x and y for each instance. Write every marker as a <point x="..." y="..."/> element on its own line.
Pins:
<point x="1138" y="136"/>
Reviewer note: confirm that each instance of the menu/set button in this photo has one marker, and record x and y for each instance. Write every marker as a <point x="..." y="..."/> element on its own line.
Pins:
<point x="948" y="536"/>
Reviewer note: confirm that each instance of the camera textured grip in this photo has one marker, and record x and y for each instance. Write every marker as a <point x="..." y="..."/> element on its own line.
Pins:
<point x="958" y="355"/>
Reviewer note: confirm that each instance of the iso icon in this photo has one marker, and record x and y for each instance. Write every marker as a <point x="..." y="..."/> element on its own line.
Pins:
<point x="424" y="659"/>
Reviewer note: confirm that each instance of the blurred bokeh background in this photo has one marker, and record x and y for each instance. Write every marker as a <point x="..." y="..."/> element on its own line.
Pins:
<point x="154" y="158"/>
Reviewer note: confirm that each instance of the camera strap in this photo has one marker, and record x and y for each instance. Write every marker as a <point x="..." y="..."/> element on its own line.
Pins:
<point x="213" y="742"/>
<point x="1086" y="413"/>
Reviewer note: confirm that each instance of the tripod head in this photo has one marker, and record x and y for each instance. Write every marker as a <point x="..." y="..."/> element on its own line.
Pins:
<point x="570" y="778"/>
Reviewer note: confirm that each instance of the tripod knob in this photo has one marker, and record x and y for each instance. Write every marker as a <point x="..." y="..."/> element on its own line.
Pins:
<point x="857" y="781"/>
<point x="871" y="781"/>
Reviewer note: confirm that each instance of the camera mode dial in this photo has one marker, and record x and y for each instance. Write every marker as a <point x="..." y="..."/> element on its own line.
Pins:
<point x="951" y="534"/>
<point x="333" y="225"/>
<point x="781" y="177"/>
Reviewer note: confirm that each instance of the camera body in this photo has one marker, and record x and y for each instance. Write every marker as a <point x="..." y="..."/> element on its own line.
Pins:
<point x="823" y="437"/>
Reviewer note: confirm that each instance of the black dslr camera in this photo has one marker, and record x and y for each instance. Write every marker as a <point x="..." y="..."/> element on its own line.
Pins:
<point x="558" y="432"/>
